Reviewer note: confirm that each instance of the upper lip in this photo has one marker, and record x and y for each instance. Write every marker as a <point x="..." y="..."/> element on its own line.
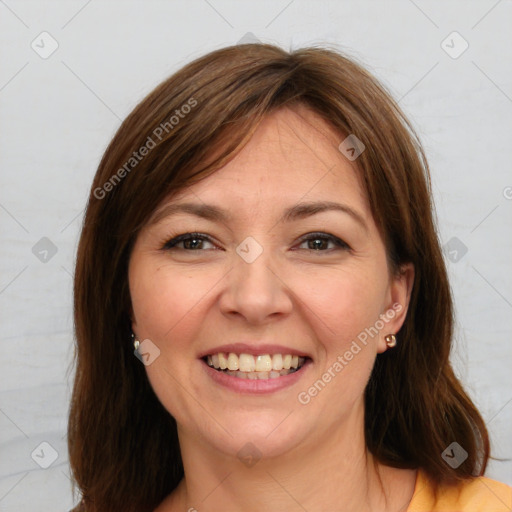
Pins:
<point x="253" y="349"/>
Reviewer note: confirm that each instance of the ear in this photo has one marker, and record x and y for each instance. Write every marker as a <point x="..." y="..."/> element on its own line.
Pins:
<point x="397" y="303"/>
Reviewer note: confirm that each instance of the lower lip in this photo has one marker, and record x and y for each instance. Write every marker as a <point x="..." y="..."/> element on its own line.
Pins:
<point x="256" y="386"/>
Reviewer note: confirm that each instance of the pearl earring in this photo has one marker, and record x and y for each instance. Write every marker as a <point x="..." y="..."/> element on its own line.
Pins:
<point x="390" y="340"/>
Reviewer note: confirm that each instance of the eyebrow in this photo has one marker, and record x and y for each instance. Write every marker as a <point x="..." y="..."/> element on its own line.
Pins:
<point x="296" y="212"/>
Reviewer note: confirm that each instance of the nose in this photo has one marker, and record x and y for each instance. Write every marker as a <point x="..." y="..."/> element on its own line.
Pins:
<point x="255" y="292"/>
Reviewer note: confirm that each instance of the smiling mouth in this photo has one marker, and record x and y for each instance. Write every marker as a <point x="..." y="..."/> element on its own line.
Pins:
<point x="247" y="366"/>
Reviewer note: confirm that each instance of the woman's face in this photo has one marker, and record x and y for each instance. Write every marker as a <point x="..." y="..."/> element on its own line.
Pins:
<point x="285" y="266"/>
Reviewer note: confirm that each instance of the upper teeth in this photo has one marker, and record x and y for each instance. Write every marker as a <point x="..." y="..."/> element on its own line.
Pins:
<point x="250" y="363"/>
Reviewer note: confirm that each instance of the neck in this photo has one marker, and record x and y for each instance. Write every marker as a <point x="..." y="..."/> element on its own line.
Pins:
<point x="331" y="471"/>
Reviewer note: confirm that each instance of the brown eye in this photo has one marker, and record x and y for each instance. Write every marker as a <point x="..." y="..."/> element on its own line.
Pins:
<point x="189" y="242"/>
<point x="319" y="242"/>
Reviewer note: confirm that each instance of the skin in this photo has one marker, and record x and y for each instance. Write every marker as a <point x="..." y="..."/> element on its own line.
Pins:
<point x="294" y="294"/>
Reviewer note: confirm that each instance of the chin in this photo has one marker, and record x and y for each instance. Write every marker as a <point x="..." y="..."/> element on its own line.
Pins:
<point x="264" y="436"/>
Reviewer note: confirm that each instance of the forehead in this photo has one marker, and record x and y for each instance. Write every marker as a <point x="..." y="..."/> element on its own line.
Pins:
<point x="293" y="156"/>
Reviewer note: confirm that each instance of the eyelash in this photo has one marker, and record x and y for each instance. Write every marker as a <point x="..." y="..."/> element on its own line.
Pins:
<point x="171" y="244"/>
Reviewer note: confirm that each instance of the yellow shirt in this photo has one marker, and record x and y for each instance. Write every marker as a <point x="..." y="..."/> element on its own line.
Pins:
<point x="478" y="495"/>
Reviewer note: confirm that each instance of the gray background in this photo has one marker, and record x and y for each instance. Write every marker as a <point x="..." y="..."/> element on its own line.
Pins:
<point x="58" y="114"/>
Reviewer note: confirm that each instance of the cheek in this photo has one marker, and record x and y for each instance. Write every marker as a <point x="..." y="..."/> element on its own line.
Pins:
<point x="167" y="305"/>
<point x="344" y="306"/>
<point x="166" y="301"/>
<point x="342" y="303"/>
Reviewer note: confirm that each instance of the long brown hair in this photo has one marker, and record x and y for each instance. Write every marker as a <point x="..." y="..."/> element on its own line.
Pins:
<point x="123" y="444"/>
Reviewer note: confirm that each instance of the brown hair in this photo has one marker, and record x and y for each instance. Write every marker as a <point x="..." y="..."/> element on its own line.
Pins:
<point x="123" y="444"/>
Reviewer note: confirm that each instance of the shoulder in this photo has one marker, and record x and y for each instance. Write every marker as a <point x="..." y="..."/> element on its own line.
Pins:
<point x="480" y="494"/>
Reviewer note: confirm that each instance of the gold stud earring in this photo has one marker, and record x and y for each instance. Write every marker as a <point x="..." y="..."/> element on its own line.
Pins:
<point x="390" y="340"/>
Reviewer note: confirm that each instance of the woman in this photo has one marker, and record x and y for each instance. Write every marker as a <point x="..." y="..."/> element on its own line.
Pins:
<point x="260" y="235"/>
